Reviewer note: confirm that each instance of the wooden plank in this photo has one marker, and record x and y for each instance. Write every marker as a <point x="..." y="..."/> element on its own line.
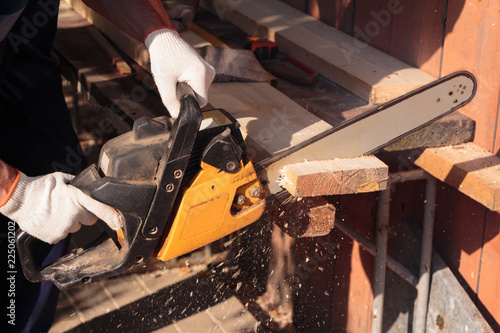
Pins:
<point x="338" y="176"/>
<point x="369" y="73"/>
<point x="299" y="4"/>
<point x="301" y="217"/>
<point x="122" y="97"/>
<point x="472" y="170"/>
<point x="489" y="279"/>
<point x="413" y="33"/>
<point x="110" y="51"/>
<point x="271" y="123"/>
<point x="353" y="284"/>
<point x="472" y="42"/>
<point x="439" y="134"/>
<point x="338" y="14"/>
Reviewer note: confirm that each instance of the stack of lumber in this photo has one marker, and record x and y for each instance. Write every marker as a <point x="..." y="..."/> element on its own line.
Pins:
<point x="362" y="69"/>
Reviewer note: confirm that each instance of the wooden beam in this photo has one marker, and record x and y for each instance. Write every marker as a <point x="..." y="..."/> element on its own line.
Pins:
<point x="453" y="129"/>
<point x="332" y="177"/>
<point x="110" y="51"/>
<point x="301" y="217"/>
<point x="367" y="72"/>
<point x="471" y="169"/>
<point x="271" y="123"/>
<point x="107" y="89"/>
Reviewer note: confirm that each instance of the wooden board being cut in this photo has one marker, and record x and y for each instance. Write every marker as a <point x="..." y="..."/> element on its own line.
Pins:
<point x="271" y="123"/>
<point x="367" y="72"/>
<point x="332" y="177"/>
<point x="301" y="217"/>
<point x="471" y="169"/>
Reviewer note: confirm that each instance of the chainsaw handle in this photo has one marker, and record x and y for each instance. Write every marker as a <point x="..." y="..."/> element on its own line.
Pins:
<point x="184" y="89"/>
<point x="145" y="204"/>
<point x="31" y="270"/>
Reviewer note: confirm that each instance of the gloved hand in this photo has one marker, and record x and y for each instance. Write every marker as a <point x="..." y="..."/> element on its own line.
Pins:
<point x="47" y="208"/>
<point x="173" y="60"/>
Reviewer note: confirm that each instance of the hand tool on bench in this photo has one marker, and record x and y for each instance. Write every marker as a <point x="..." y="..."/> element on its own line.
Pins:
<point x="179" y="187"/>
<point x="283" y="66"/>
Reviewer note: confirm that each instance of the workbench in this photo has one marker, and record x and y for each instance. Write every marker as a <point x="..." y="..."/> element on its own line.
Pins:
<point x="125" y="97"/>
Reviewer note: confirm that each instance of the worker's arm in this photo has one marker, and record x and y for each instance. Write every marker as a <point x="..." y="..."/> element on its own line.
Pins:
<point x="172" y="59"/>
<point x="8" y="180"/>
<point x="135" y="17"/>
<point x="47" y="207"/>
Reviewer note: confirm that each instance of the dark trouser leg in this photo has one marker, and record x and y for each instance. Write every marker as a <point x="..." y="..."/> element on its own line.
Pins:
<point x="36" y="137"/>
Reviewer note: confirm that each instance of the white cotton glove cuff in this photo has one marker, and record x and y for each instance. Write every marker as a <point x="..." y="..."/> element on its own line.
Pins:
<point x="173" y="60"/>
<point x="48" y="208"/>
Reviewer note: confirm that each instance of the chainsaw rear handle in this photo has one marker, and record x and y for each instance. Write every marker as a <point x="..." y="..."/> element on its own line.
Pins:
<point x="31" y="270"/>
<point x="145" y="205"/>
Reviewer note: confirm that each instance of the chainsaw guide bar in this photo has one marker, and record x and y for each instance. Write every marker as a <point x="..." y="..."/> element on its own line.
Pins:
<point x="376" y="128"/>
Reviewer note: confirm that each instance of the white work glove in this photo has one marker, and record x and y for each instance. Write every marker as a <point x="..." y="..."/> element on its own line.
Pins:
<point x="173" y="60"/>
<point x="47" y="208"/>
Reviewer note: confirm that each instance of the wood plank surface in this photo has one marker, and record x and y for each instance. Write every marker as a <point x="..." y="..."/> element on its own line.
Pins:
<point x="365" y="71"/>
<point x="489" y="279"/>
<point x="110" y="51"/>
<point x="334" y="177"/>
<point x="429" y="38"/>
<point x="354" y="267"/>
<point x="458" y="235"/>
<point x="298" y="4"/>
<point x="476" y="26"/>
<point x="472" y="41"/>
<point x="472" y="170"/>
<point x="270" y="122"/>
<point x="374" y="32"/>
<point x="339" y="14"/>
<point x="413" y="33"/>
<point x="122" y="97"/>
<point x="301" y="217"/>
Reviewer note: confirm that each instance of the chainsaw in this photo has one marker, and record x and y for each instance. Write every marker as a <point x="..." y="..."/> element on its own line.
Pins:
<point x="182" y="184"/>
<point x="178" y="187"/>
